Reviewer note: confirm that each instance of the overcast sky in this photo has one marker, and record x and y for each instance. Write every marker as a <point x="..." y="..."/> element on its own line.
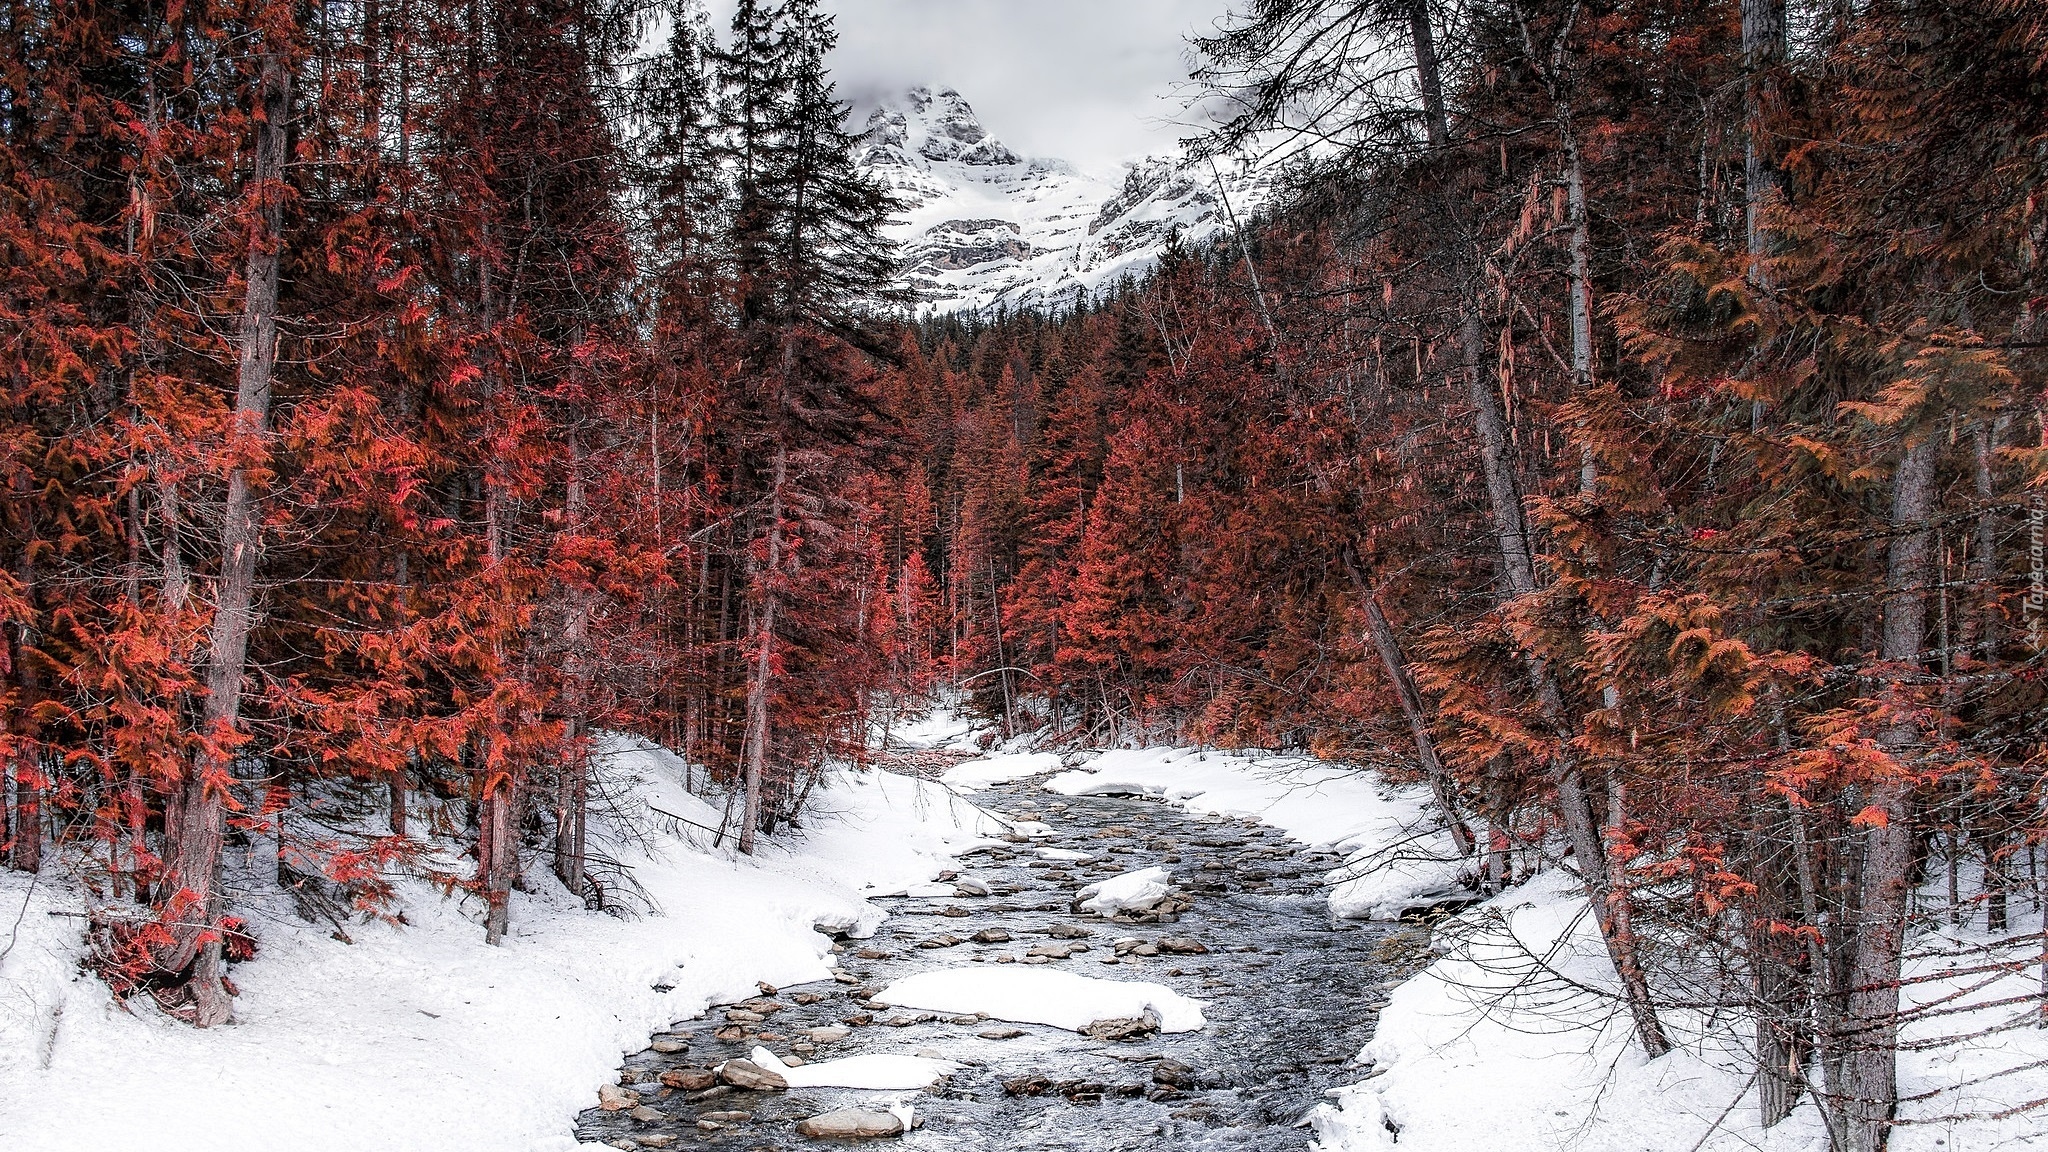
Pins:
<point x="1090" y="81"/>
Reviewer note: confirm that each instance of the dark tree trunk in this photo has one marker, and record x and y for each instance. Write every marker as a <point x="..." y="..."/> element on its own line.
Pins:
<point x="192" y="892"/>
<point x="1884" y="888"/>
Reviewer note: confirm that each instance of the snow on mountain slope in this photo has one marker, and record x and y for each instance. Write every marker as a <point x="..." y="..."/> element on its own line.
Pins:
<point x="982" y="226"/>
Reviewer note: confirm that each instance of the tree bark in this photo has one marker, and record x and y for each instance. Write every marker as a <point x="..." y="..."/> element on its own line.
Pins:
<point x="761" y="675"/>
<point x="193" y="872"/>
<point x="1388" y="645"/>
<point x="1518" y="573"/>
<point x="1871" y="1064"/>
<point x="495" y="848"/>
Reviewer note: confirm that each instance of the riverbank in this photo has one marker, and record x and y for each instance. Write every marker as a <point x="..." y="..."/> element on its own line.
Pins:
<point x="418" y="1035"/>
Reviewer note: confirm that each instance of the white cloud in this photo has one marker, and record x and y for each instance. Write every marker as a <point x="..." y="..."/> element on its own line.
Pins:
<point x="1095" y="82"/>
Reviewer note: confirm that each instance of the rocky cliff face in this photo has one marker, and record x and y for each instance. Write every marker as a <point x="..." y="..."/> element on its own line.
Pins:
<point x="983" y="226"/>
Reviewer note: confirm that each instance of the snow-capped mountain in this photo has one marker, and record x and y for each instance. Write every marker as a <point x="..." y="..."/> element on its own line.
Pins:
<point x="983" y="226"/>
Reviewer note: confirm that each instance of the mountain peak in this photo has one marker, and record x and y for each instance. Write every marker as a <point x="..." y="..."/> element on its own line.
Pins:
<point x="984" y="227"/>
<point x="934" y="125"/>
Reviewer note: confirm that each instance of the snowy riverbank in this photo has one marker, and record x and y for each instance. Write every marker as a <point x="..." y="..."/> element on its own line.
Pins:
<point x="421" y="1037"/>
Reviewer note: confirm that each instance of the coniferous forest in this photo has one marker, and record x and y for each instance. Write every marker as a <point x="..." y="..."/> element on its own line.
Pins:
<point x="1626" y="422"/>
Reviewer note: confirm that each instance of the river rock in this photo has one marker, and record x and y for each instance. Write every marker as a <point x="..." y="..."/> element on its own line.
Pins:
<point x="669" y="1046"/>
<point x="751" y="1077"/>
<point x="689" y="1079"/>
<point x="1182" y="946"/>
<point x="992" y="936"/>
<point x="613" y="1098"/>
<point x="1174" y="1074"/>
<point x="730" y="1034"/>
<point x="1064" y="931"/>
<point x="743" y="1016"/>
<point x="1123" y="1029"/>
<point x="658" y="1140"/>
<point x="850" y="1124"/>
<point x="968" y="887"/>
<point x="764" y="1006"/>
<point x="943" y="940"/>
<point x="647" y="1115"/>
<point x="955" y="912"/>
<point x="1056" y="951"/>
<point x="830" y="1034"/>
<point x="1001" y="1034"/>
<point x="808" y="998"/>
<point x="728" y="1117"/>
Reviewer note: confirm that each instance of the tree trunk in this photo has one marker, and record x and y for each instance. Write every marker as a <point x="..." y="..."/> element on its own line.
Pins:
<point x="1441" y="786"/>
<point x="1871" y="1064"/>
<point x="1763" y="52"/>
<point x="1518" y="574"/>
<point x="192" y="897"/>
<point x="760" y="676"/>
<point x="495" y="848"/>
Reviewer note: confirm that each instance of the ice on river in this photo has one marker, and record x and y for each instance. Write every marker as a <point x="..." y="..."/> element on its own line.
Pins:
<point x="875" y="1071"/>
<point x="1043" y="996"/>
<point x="994" y="770"/>
<point x="1140" y="889"/>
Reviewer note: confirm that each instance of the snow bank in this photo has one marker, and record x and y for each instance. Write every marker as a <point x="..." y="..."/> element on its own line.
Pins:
<point x="1043" y="996"/>
<point x="421" y="1036"/>
<point x="1499" y="1020"/>
<point x="1398" y="857"/>
<point x="875" y="1072"/>
<point x="1000" y="769"/>
<point x="1137" y="890"/>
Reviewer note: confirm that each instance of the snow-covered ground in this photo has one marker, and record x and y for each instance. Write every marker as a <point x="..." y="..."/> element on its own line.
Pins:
<point x="1513" y="1016"/>
<point x="421" y="1036"/>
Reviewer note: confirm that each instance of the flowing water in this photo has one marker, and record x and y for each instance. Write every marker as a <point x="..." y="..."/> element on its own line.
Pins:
<point x="1291" y="997"/>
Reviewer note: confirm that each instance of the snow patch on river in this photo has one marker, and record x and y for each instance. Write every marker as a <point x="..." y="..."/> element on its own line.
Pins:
<point x="1043" y="996"/>
<point x="1398" y="855"/>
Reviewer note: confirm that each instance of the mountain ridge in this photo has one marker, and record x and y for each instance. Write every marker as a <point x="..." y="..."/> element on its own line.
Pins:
<point x="984" y="227"/>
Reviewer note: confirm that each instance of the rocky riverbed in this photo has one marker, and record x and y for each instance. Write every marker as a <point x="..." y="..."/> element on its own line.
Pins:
<point x="1290" y="998"/>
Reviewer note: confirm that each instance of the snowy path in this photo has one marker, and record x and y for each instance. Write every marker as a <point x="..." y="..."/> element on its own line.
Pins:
<point x="1283" y="990"/>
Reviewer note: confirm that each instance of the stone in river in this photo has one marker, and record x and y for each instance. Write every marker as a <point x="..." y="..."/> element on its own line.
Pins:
<point x="970" y="887"/>
<point x="731" y="1033"/>
<point x="955" y="912"/>
<point x="831" y="1034"/>
<point x="807" y="998"/>
<point x="1182" y="946"/>
<point x="1124" y="1029"/>
<point x="1001" y="1034"/>
<point x="751" y="1077"/>
<point x="850" y="1124"/>
<point x="728" y="1117"/>
<point x="1174" y="1074"/>
<point x="944" y="940"/>
<point x="660" y="1140"/>
<point x="1065" y="931"/>
<point x="743" y="1016"/>
<point x="613" y="1098"/>
<point x="992" y="936"/>
<point x="647" y="1115"/>
<point x="669" y="1047"/>
<point x="689" y="1079"/>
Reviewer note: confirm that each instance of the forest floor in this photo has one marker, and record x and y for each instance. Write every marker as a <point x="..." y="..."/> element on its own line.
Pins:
<point x="1318" y="1022"/>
